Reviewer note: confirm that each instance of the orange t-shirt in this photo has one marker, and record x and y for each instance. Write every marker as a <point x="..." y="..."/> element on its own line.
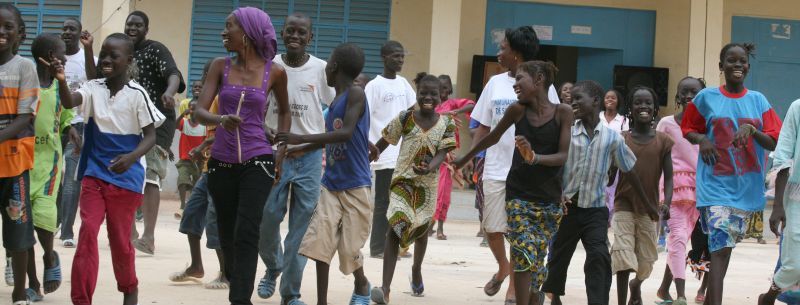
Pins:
<point x="19" y="94"/>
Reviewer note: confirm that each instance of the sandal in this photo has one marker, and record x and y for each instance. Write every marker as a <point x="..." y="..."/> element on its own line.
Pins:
<point x="441" y="236"/>
<point x="700" y="299"/>
<point x="33" y="295"/>
<point x="181" y="277"/>
<point x="356" y="299"/>
<point x="295" y="301"/>
<point x="417" y="291"/>
<point x="53" y="274"/>
<point x="69" y="243"/>
<point x="664" y="302"/>
<point x="377" y="296"/>
<point x="217" y="283"/>
<point x="493" y="286"/>
<point x="266" y="286"/>
<point x="680" y="301"/>
<point x="142" y="246"/>
<point x="21" y="303"/>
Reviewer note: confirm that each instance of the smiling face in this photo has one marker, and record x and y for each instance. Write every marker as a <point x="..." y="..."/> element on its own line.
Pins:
<point x="136" y="29"/>
<point x="505" y="55"/>
<point x="394" y="60"/>
<point x="71" y="33"/>
<point x="296" y="34"/>
<point x="643" y="107"/>
<point x="687" y="90"/>
<point x="584" y="106"/>
<point x="446" y="89"/>
<point x="735" y="65"/>
<point x="9" y="31"/>
<point x="197" y="88"/>
<point x="610" y="101"/>
<point x="115" y="57"/>
<point x="526" y="86"/>
<point x="428" y="96"/>
<point x="566" y="92"/>
<point x="233" y="35"/>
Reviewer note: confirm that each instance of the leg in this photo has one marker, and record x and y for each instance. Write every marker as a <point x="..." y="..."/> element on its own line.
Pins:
<point x="563" y="247"/>
<point x="383" y="179"/>
<point x="356" y="208"/>
<point x="87" y="260"/>
<point x="622" y="287"/>
<point x="195" y="269"/>
<point x="183" y="192"/>
<point x="390" y="260"/>
<point x="123" y="256"/>
<point x="192" y="224"/>
<point x="443" y="199"/>
<point x="594" y="236"/>
<point x="719" y="267"/>
<point x="269" y="243"/>
<point x="495" y="225"/>
<point x="323" y="270"/>
<point x="152" y="200"/>
<point x="683" y="216"/>
<point x="48" y="257"/>
<point x="223" y="186"/>
<point x="70" y="191"/>
<point x="666" y="282"/>
<point x="33" y="280"/>
<point x="420" y="246"/>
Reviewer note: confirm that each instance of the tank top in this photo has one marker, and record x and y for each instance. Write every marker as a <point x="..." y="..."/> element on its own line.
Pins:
<point x="249" y="103"/>
<point x="535" y="183"/>
<point x="347" y="163"/>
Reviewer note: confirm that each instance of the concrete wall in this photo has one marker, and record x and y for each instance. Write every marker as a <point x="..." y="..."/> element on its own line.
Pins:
<point x="411" y="25"/>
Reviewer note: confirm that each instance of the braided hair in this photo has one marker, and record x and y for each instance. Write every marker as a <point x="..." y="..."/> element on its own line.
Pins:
<point x="629" y="104"/>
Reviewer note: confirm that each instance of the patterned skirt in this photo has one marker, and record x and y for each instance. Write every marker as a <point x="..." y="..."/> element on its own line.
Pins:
<point x="411" y="206"/>
<point x="531" y="227"/>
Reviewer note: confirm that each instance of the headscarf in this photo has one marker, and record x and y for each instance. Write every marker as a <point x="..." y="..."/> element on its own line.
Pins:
<point x="258" y="28"/>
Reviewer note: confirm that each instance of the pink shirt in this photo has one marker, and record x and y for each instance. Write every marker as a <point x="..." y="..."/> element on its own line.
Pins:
<point x="684" y="162"/>
<point x="455" y="104"/>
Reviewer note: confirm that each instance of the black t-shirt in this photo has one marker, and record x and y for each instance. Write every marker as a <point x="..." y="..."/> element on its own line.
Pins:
<point x="535" y="183"/>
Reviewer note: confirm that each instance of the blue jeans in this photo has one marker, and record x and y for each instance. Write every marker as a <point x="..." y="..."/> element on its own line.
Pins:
<point x="301" y="177"/>
<point x="71" y="189"/>
<point x="199" y="213"/>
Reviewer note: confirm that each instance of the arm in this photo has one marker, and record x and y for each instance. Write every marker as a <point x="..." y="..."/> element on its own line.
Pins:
<point x="512" y="114"/>
<point x="356" y="102"/>
<point x="467" y="108"/>
<point x="279" y="81"/>
<point x="123" y="162"/>
<point x="693" y="127"/>
<point x="210" y="88"/>
<point x="17" y="125"/>
<point x="778" y="218"/>
<point x="91" y="67"/>
<point x="767" y="137"/>
<point x="668" y="185"/>
<point x="173" y="84"/>
<point x="424" y="169"/>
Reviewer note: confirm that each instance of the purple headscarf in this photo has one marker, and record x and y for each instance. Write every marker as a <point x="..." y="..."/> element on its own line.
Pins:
<point x="258" y="27"/>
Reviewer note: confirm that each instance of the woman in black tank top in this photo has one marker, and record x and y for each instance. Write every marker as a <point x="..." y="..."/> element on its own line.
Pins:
<point x="533" y="186"/>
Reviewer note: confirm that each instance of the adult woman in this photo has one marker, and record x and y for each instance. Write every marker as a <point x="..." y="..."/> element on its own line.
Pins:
<point x="610" y="117"/>
<point x="241" y="168"/>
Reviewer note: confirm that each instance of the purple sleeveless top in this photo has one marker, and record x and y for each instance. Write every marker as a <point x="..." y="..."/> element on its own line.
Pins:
<point x="249" y="140"/>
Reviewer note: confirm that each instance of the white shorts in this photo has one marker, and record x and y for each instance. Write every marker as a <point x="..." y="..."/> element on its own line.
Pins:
<point x="494" y="206"/>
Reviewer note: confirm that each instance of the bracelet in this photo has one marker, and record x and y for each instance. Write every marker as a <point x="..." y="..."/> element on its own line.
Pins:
<point x="221" y="119"/>
<point x="535" y="159"/>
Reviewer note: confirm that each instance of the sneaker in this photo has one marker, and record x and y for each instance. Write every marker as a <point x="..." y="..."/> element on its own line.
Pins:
<point x="69" y="243"/>
<point x="9" y="273"/>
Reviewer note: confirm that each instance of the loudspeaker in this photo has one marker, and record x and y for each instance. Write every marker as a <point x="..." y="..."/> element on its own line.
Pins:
<point x="628" y="77"/>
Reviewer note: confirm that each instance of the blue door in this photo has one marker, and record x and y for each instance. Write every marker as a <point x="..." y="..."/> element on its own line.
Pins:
<point x="775" y="69"/>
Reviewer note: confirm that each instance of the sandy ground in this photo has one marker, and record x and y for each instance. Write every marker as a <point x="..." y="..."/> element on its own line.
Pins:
<point x="454" y="270"/>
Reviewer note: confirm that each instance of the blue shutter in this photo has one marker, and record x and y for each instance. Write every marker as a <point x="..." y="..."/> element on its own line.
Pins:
<point x="365" y="22"/>
<point x="42" y="16"/>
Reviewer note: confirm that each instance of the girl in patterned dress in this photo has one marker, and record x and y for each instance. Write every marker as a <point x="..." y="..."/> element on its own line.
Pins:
<point x="427" y="137"/>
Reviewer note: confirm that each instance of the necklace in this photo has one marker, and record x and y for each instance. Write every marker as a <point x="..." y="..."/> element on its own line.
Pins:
<point x="297" y="61"/>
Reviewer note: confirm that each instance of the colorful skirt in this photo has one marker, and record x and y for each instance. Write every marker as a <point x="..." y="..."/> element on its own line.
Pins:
<point x="531" y="228"/>
<point x="411" y="206"/>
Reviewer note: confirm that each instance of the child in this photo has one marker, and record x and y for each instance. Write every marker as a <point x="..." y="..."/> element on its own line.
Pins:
<point x="636" y="215"/>
<point x="120" y="129"/>
<point x="785" y="212"/>
<point x="20" y="89"/>
<point x="452" y="107"/>
<point x="683" y="210"/>
<point x="387" y="94"/>
<point x="51" y="120"/>
<point x="533" y="186"/>
<point x="586" y="219"/>
<point x="564" y="91"/>
<point x="192" y="135"/>
<point x="341" y="221"/>
<point x="734" y="128"/>
<point x="197" y="88"/>
<point x="427" y="139"/>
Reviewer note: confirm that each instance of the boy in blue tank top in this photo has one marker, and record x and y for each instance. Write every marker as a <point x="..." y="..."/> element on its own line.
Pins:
<point x="345" y="197"/>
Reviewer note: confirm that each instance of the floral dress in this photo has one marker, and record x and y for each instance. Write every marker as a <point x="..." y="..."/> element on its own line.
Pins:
<point x="412" y="198"/>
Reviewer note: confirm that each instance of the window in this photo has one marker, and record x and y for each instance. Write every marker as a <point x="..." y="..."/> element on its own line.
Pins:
<point x="42" y="16"/>
<point x="365" y="22"/>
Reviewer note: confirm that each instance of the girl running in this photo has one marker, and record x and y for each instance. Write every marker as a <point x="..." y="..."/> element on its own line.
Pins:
<point x="683" y="211"/>
<point x="533" y="186"/>
<point x="427" y="138"/>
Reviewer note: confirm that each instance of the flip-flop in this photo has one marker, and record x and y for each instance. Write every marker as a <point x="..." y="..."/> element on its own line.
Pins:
<point x="680" y="301"/>
<point x="700" y="299"/>
<point x="416" y="291"/>
<point x="33" y="295"/>
<point x="377" y="296"/>
<point x="441" y="236"/>
<point x="22" y="303"/>
<point x="53" y="274"/>
<point x="493" y="286"/>
<point x="181" y="277"/>
<point x="216" y="284"/>
<point x="143" y="247"/>
<point x="356" y="299"/>
<point x="663" y="302"/>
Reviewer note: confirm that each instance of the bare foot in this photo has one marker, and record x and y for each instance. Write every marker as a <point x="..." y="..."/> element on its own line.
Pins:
<point x="635" y="286"/>
<point x="664" y="295"/>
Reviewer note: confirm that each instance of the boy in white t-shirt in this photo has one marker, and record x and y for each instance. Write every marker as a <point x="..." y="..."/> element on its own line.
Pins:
<point x="300" y="175"/>
<point x="75" y="71"/>
<point x="387" y="95"/>
<point x="519" y="45"/>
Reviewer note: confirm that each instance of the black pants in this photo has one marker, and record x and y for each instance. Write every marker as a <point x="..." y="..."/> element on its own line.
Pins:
<point x="590" y="226"/>
<point x="239" y="192"/>
<point x="377" y="241"/>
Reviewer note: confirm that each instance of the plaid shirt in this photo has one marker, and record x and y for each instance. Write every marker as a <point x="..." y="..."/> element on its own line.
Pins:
<point x="588" y="162"/>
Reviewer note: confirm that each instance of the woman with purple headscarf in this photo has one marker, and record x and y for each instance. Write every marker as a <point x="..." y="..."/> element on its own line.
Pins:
<point x="242" y="167"/>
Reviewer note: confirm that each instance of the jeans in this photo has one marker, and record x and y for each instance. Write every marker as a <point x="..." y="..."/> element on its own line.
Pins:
<point x="71" y="190"/>
<point x="300" y="178"/>
<point x="239" y="192"/>
<point x="199" y="214"/>
<point x="380" y="224"/>
<point x="590" y="226"/>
